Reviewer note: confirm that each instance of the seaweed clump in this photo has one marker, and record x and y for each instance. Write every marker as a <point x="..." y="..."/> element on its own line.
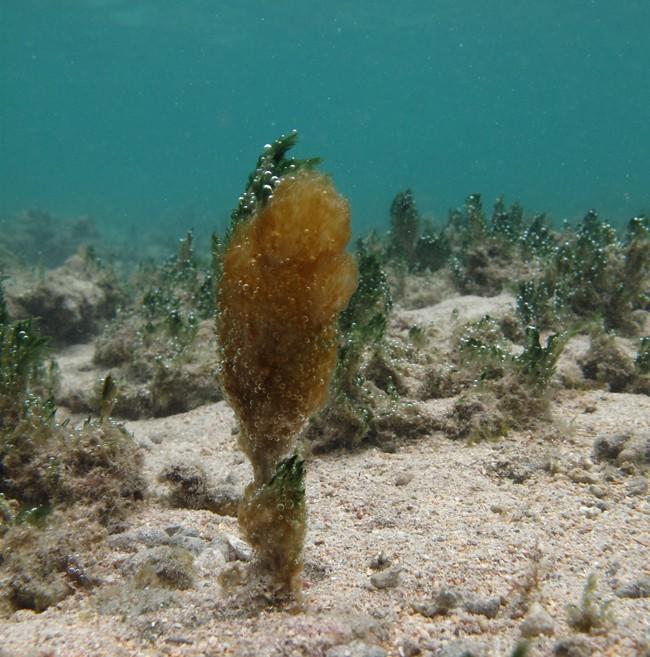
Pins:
<point x="369" y="401"/>
<point x="284" y="276"/>
<point x="503" y="388"/>
<point x="161" y="346"/>
<point x="52" y="475"/>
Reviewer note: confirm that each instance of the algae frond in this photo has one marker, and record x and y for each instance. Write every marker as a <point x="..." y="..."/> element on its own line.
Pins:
<point x="284" y="277"/>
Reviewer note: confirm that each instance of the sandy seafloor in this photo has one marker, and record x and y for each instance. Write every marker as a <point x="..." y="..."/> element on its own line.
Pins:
<point x="445" y="515"/>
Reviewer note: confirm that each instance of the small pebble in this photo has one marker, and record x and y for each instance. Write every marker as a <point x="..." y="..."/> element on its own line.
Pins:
<point x="580" y="476"/>
<point x="156" y="438"/>
<point x="462" y="648"/>
<point x="488" y="607"/>
<point x="403" y="478"/>
<point x="380" y="561"/>
<point x="637" y="486"/>
<point x="410" y="648"/>
<point x="573" y="647"/>
<point x="639" y="588"/>
<point x="356" y="649"/>
<point x="597" y="491"/>
<point x="538" y="621"/>
<point x="386" y="579"/>
<point x="442" y="602"/>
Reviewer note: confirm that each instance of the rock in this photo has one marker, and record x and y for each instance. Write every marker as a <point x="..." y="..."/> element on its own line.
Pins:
<point x="538" y="621"/>
<point x="356" y="649"/>
<point x="442" y="602"/>
<point x="488" y="607"/>
<point x="190" y="489"/>
<point x="408" y="648"/>
<point x="163" y="566"/>
<point x="403" y="478"/>
<point x="629" y="447"/>
<point x="189" y="543"/>
<point x="637" y="486"/>
<point x="130" y="540"/>
<point x="72" y="302"/>
<point x="210" y="561"/>
<point x="573" y="647"/>
<point x="241" y="549"/>
<point x="386" y="579"/>
<point x="462" y="648"/>
<point x="232" y="548"/>
<point x="157" y="437"/>
<point x="639" y="588"/>
<point x="608" y="447"/>
<point x="517" y="469"/>
<point x="380" y="561"/>
<point x="580" y="476"/>
<point x="597" y="491"/>
<point x="636" y="450"/>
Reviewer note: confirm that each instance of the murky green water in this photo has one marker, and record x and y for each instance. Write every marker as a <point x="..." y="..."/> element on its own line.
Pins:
<point x="150" y="113"/>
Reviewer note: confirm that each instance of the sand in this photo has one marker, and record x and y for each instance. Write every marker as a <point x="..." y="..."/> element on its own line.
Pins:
<point x="505" y="525"/>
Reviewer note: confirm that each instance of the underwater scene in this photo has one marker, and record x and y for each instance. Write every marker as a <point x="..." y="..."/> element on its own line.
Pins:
<point x="324" y="328"/>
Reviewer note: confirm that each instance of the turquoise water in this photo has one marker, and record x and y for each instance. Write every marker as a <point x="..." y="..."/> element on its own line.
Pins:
<point x="152" y="112"/>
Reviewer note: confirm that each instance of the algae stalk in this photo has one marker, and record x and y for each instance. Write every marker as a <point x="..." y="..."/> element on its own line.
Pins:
<point x="284" y="278"/>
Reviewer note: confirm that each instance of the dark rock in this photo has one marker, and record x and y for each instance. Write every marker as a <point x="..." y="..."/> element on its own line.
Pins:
<point x="629" y="447"/>
<point x="573" y="647"/>
<point x="442" y="602"/>
<point x="190" y="489"/>
<point x="386" y="579"/>
<point x="608" y="447"/>
<point x="410" y="648"/>
<point x="380" y="562"/>
<point x="639" y="588"/>
<point x="488" y="607"/>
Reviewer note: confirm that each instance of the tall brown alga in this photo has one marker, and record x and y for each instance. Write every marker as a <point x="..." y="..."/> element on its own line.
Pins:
<point x="285" y="276"/>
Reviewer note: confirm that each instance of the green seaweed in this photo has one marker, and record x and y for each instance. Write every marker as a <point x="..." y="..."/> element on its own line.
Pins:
<point x="362" y="328"/>
<point x="642" y="361"/>
<point x="107" y="398"/>
<point x="271" y="166"/>
<point x="538" y="362"/>
<point x="404" y="229"/>
<point x="4" y="312"/>
<point x="363" y="322"/>
<point x="507" y="223"/>
<point x="590" y="613"/>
